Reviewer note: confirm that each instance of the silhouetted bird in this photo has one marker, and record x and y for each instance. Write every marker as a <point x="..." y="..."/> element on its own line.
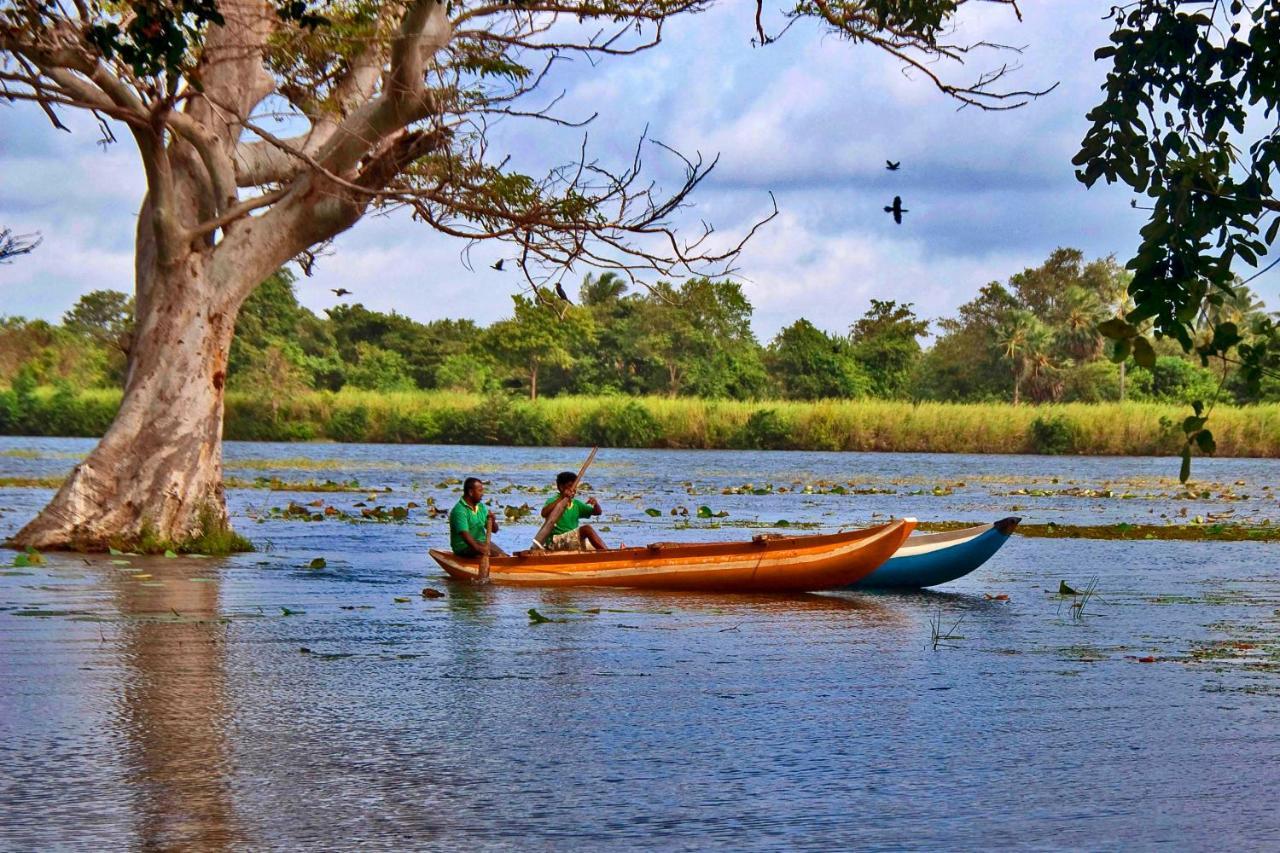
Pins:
<point x="560" y="292"/>
<point x="896" y="209"/>
<point x="892" y="166"/>
<point x="498" y="265"/>
<point x="340" y="292"/>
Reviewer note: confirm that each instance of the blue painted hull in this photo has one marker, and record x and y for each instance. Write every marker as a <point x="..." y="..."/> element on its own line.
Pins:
<point x="919" y="564"/>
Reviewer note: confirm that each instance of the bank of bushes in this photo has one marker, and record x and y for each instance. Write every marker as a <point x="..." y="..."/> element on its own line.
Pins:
<point x="874" y="425"/>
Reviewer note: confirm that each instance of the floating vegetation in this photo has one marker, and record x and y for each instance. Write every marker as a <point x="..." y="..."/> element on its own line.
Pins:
<point x="511" y="513"/>
<point x="317" y="511"/>
<point x="31" y="482"/>
<point x="27" y="559"/>
<point x="318" y="563"/>
<point x="275" y="484"/>
<point x="1129" y="532"/>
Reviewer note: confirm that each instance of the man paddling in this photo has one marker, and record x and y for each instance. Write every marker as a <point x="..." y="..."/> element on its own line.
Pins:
<point x="568" y="535"/>
<point x="467" y="523"/>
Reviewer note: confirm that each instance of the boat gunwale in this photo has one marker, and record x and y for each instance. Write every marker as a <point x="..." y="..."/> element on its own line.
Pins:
<point x="678" y="550"/>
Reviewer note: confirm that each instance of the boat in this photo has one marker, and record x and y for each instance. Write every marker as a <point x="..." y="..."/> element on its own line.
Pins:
<point x="929" y="559"/>
<point x="765" y="563"/>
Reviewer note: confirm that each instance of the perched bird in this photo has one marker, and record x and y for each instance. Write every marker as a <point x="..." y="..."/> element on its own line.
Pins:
<point x="560" y="292"/>
<point x="896" y="209"/>
<point x="340" y="292"/>
<point x="891" y="165"/>
<point x="498" y="266"/>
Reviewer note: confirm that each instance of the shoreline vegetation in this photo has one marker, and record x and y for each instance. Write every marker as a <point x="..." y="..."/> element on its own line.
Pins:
<point x="452" y="417"/>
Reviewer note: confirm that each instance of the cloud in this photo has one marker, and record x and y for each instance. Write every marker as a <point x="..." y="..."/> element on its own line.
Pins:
<point x="811" y="118"/>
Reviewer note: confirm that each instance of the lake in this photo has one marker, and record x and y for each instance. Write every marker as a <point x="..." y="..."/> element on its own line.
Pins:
<point x="257" y="703"/>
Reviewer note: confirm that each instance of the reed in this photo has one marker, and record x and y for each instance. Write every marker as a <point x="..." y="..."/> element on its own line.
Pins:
<point x="452" y="417"/>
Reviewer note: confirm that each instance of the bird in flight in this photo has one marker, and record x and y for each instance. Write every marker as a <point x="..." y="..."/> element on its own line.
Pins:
<point x="498" y="266"/>
<point x="892" y="166"/>
<point x="560" y="292"/>
<point x="340" y="292"/>
<point x="896" y="209"/>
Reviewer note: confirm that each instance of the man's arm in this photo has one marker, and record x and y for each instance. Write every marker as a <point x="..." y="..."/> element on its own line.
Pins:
<point x="595" y="506"/>
<point x="471" y="541"/>
<point x="549" y="508"/>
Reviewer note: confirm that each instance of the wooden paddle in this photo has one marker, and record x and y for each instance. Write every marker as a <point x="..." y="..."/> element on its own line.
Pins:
<point x="561" y="505"/>
<point x="483" y="576"/>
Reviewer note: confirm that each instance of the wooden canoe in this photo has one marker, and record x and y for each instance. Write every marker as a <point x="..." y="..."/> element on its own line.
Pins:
<point x="930" y="559"/>
<point x="761" y="564"/>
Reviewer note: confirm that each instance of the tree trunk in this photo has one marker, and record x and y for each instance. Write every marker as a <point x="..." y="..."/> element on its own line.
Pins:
<point x="157" y="473"/>
<point x="1122" y="382"/>
<point x="533" y="381"/>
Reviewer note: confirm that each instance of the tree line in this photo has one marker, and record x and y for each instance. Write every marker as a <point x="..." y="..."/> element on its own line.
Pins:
<point x="1034" y="338"/>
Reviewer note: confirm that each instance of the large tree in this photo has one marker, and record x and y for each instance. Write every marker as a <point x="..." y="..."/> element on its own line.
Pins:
<point x="266" y="128"/>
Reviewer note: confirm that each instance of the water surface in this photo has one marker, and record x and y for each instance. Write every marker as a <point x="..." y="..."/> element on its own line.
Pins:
<point x="253" y="702"/>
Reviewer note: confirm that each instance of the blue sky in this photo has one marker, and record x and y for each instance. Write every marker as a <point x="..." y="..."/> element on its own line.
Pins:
<point x="810" y="118"/>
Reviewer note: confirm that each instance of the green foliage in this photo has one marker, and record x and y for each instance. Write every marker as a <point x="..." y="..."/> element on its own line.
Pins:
<point x="698" y="337"/>
<point x="1176" y="380"/>
<point x="620" y="425"/>
<point x="348" y="424"/>
<point x="765" y="429"/>
<point x="884" y="342"/>
<point x="538" y="336"/>
<point x="378" y="369"/>
<point x="806" y="363"/>
<point x="1051" y="434"/>
<point x="1187" y="122"/>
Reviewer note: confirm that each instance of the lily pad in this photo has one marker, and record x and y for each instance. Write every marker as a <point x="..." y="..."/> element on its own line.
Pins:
<point x="318" y="563"/>
<point x="536" y="618"/>
<point x="653" y="513"/>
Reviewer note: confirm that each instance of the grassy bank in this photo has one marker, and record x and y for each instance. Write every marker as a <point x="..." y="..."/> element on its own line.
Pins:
<point x="868" y="425"/>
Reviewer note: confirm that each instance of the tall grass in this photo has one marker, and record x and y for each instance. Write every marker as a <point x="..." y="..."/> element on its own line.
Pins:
<point x="865" y="425"/>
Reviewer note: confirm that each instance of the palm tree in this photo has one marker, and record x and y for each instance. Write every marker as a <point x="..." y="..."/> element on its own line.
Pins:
<point x="1027" y="343"/>
<point x="1079" y="338"/>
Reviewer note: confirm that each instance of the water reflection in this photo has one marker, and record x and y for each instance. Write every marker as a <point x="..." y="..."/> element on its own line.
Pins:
<point x="173" y="708"/>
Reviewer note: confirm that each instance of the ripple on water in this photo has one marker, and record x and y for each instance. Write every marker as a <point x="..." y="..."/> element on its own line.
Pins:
<point x="186" y="704"/>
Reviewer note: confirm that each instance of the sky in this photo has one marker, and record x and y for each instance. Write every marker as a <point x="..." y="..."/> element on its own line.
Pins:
<point x="810" y="118"/>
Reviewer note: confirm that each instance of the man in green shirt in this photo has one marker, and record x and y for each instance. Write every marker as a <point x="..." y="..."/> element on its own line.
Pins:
<point x="568" y="535"/>
<point x="467" y="519"/>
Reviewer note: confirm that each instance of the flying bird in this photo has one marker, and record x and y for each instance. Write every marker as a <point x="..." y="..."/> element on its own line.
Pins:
<point x="896" y="209"/>
<point x="892" y="166"/>
<point x="560" y="292"/>
<point x="498" y="266"/>
<point x="340" y="292"/>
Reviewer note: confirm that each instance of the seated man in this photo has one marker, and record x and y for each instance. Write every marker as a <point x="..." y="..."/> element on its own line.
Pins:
<point x="467" y="520"/>
<point x="567" y="535"/>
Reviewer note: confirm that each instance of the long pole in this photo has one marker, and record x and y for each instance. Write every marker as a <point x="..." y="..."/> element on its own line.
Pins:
<point x="483" y="577"/>
<point x="561" y="505"/>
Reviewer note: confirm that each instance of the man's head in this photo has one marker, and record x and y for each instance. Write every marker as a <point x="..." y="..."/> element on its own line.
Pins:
<point x="565" y="480"/>
<point x="473" y="489"/>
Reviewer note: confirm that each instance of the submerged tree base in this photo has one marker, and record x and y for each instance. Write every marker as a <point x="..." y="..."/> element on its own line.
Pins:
<point x="213" y="537"/>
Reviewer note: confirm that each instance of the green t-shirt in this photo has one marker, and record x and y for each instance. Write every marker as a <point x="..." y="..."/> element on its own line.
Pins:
<point x="574" y="511"/>
<point x="463" y="517"/>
